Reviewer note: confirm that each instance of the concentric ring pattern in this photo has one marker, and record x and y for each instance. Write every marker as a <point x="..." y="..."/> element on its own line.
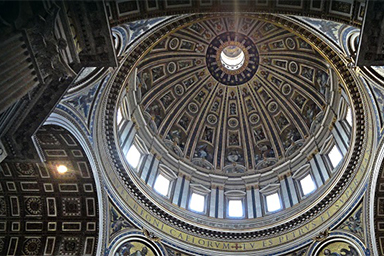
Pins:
<point x="245" y="70"/>
<point x="249" y="121"/>
<point x="254" y="143"/>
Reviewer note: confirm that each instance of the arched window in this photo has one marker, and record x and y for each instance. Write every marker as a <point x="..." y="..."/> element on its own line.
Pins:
<point x="235" y="208"/>
<point x="273" y="202"/>
<point x="335" y="156"/>
<point x="198" y="198"/>
<point x="119" y="119"/>
<point x="162" y="185"/>
<point x="197" y="202"/>
<point x="164" y="181"/>
<point x="348" y="116"/>
<point x="133" y="156"/>
<point x="307" y="185"/>
<point x="235" y="203"/>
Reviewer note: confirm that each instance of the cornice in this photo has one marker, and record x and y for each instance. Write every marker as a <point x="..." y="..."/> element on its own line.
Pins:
<point x="350" y="177"/>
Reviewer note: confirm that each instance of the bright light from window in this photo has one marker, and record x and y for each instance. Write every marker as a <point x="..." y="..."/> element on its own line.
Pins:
<point x="162" y="185"/>
<point x="235" y="208"/>
<point x="335" y="156"/>
<point x="273" y="202"/>
<point x="119" y="116"/>
<point x="349" y="116"/>
<point x="232" y="57"/>
<point x="133" y="156"/>
<point x="307" y="184"/>
<point x="197" y="202"/>
<point x="62" y="169"/>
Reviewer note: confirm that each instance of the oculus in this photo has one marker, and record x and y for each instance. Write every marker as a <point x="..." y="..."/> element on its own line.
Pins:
<point x="232" y="58"/>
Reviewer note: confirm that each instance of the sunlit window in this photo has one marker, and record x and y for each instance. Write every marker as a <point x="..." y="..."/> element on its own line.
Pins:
<point x="119" y="116"/>
<point x="348" y="117"/>
<point x="335" y="156"/>
<point x="235" y="208"/>
<point x="197" y="202"/>
<point x="133" y="156"/>
<point x="232" y="57"/>
<point x="162" y="185"/>
<point x="307" y="184"/>
<point x="273" y="202"/>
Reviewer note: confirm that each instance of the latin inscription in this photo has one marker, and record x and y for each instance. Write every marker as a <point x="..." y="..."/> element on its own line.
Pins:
<point x="253" y="245"/>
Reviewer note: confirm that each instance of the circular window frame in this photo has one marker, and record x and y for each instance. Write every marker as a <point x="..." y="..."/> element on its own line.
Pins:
<point x="232" y="62"/>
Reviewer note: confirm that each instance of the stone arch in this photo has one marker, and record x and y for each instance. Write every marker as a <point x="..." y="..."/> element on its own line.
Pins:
<point x="45" y="212"/>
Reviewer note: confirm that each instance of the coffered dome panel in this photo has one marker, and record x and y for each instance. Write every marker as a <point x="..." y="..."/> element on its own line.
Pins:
<point x="246" y="118"/>
<point x="252" y="148"/>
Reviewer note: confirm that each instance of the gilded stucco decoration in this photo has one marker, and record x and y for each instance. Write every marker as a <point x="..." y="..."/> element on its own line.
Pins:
<point x="133" y="243"/>
<point x="44" y="212"/>
<point x="339" y="243"/>
<point x="188" y="121"/>
<point x="246" y="120"/>
<point x="354" y="223"/>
